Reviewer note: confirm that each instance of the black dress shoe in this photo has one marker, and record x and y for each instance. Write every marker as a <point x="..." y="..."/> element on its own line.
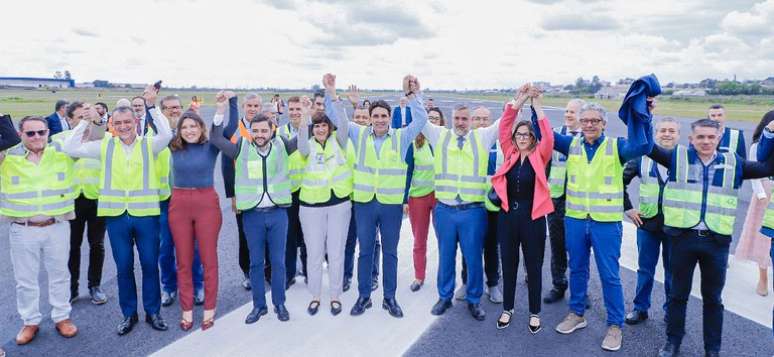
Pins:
<point x="440" y="307"/>
<point x="199" y="297"/>
<point x="97" y="296"/>
<point x="476" y="311"/>
<point x="127" y="325"/>
<point x="157" y="322"/>
<point x="282" y="313"/>
<point x="313" y="307"/>
<point x="347" y="284"/>
<point x="391" y="305"/>
<point x="256" y="314"/>
<point x="416" y="285"/>
<point x="553" y="296"/>
<point x="360" y="306"/>
<point x="168" y="299"/>
<point x="711" y="354"/>
<point x="635" y="317"/>
<point x="669" y="350"/>
<point x="335" y="307"/>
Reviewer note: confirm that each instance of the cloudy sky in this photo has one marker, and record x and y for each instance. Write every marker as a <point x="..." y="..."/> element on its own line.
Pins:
<point x="447" y="44"/>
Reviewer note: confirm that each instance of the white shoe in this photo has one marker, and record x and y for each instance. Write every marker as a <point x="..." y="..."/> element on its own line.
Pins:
<point x="461" y="293"/>
<point x="495" y="295"/>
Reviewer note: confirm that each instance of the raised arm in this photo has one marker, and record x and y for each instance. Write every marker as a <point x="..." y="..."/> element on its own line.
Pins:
<point x="217" y="138"/>
<point x="75" y="147"/>
<point x="335" y="111"/>
<point x="164" y="133"/>
<point x="662" y="156"/>
<point x="8" y="135"/>
<point x="304" y="127"/>
<point x="507" y="120"/>
<point x="233" y="114"/>
<point x="410" y="132"/>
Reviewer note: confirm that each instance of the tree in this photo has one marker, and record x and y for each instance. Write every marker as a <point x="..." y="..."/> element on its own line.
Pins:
<point x="67" y="75"/>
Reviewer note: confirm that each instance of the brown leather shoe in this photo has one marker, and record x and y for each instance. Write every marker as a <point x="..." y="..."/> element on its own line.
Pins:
<point x="27" y="334"/>
<point x="66" y="328"/>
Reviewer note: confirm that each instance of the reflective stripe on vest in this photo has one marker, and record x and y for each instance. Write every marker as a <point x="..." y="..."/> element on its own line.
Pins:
<point x="248" y="181"/>
<point x="649" y="189"/>
<point x="595" y="188"/>
<point x="28" y="189"/>
<point x="422" y="179"/>
<point x="683" y="198"/>
<point x="325" y="170"/>
<point x="460" y="172"/>
<point x="383" y="178"/>
<point x="121" y="189"/>
<point x="557" y="175"/>
<point x="85" y="176"/>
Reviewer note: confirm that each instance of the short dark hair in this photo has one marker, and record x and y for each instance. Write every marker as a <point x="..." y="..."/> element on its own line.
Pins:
<point x="705" y="123"/>
<point x="122" y="109"/>
<point x="260" y="118"/>
<point x="294" y="99"/>
<point x="59" y="104"/>
<point x="717" y="106"/>
<point x="320" y="94"/>
<point x="767" y="118"/>
<point x="168" y="98"/>
<point x="32" y="118"/>
<point x="73" y="107"/>
<point x="379" y="104"/>
<point x="102" y="105"/>
<point x="137" y="97"/>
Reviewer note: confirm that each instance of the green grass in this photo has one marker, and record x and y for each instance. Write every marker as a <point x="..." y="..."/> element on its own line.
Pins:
<point x="21" y="102"/>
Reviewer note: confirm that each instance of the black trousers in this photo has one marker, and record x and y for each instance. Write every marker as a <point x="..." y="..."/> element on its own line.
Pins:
<point x="491" y="255"/>
<point x="558" y="249"/>
<point x="516" y="228"/>
<point x="86" y="216"/>
<point x="711" y="255"/>
<point x="244" y="251"/>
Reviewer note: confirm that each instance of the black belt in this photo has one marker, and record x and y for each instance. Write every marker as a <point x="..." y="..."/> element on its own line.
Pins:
<point x="464" y="206"/>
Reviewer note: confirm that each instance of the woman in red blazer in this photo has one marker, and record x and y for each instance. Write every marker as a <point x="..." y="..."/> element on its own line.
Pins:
<point x="521" y="185"/>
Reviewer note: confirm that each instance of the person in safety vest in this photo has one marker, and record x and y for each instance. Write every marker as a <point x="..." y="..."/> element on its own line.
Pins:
<point x="460" y="166"/>
<point x="594" y="205"/>
<point x="86" y="192"/>
<point x="263" y="193"/>
<point x="732" y="140"/>
<point x="37" y="198"/>
<point x="326" y="186"/>
<point x="129" y="200"/>
<point x="699" y="204"/>
<point x="649" y="219"/>
<point x="557" y="179"/>
<point x="379" y="185"/>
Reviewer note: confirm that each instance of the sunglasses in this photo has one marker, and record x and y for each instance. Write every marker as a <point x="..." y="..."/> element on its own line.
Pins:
<point x="31" y="133"/>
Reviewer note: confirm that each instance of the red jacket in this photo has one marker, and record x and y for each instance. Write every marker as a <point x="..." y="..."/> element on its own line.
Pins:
<point x="541" y="202"/>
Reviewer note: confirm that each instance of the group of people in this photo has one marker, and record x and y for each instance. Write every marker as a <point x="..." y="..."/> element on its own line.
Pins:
<point x="319" y="185"/>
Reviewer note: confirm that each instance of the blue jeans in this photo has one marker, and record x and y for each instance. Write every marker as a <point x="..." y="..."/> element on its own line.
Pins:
<point x="349" y="251"/>
<point x="711" y="255"/>
<point x="582" y="235"/>
<point x="124" y="232"/>
<point x="467" y="226"/>
<point x="266" y="229"/>
<point x="167" y="263"/>
<point x="648" y="244"/>
<point x="387" y="218"/>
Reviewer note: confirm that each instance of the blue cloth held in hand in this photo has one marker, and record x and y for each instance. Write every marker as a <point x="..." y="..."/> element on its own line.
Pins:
<point x="635" y="104"/>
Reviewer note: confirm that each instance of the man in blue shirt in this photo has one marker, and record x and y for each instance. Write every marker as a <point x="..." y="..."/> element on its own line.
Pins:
<point x="701" y="232"/>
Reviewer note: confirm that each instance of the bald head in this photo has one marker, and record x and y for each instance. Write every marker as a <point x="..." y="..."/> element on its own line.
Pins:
<point x="481" y="117"/>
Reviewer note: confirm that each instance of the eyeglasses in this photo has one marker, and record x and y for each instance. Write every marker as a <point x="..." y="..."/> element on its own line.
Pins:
<point x="31" y="133"/>
<point x="590" y="121"/>
<point x="173" y="107"/>
<point x="522" y="135"/>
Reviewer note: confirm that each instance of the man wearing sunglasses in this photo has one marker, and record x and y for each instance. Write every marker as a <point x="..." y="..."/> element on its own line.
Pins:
<point x="129" y="199"/>
<point x="36" y="189"/>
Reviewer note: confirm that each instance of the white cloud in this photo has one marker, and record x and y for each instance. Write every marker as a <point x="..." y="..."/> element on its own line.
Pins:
<point x="449" y="44"/>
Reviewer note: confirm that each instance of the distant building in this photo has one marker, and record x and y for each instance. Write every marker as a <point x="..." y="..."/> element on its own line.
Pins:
<point x="32" y="82"/>
<point x="612" y="92"/>
<point x="690" y="93"/>
<point x="84" y="85"/>
<point x="129" y="85"/>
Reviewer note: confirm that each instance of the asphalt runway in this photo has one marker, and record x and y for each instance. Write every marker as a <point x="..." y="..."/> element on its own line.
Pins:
<point x="454" y="334"/>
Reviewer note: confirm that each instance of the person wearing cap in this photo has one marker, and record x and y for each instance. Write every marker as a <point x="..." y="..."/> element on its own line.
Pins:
<point x="699" y="204"/>
<point x="129" y="201"/>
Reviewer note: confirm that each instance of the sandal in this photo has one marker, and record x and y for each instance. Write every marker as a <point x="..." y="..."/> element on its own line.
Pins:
<point x="313" y="307"/>
<point x="335" y="307"/>
<point x="185" y="325"/>
<point x="534" y="327"/>
<point x="501" y="324"/>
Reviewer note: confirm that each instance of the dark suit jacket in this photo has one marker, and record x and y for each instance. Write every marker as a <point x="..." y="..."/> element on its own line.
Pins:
<point x="54" y="125"/>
